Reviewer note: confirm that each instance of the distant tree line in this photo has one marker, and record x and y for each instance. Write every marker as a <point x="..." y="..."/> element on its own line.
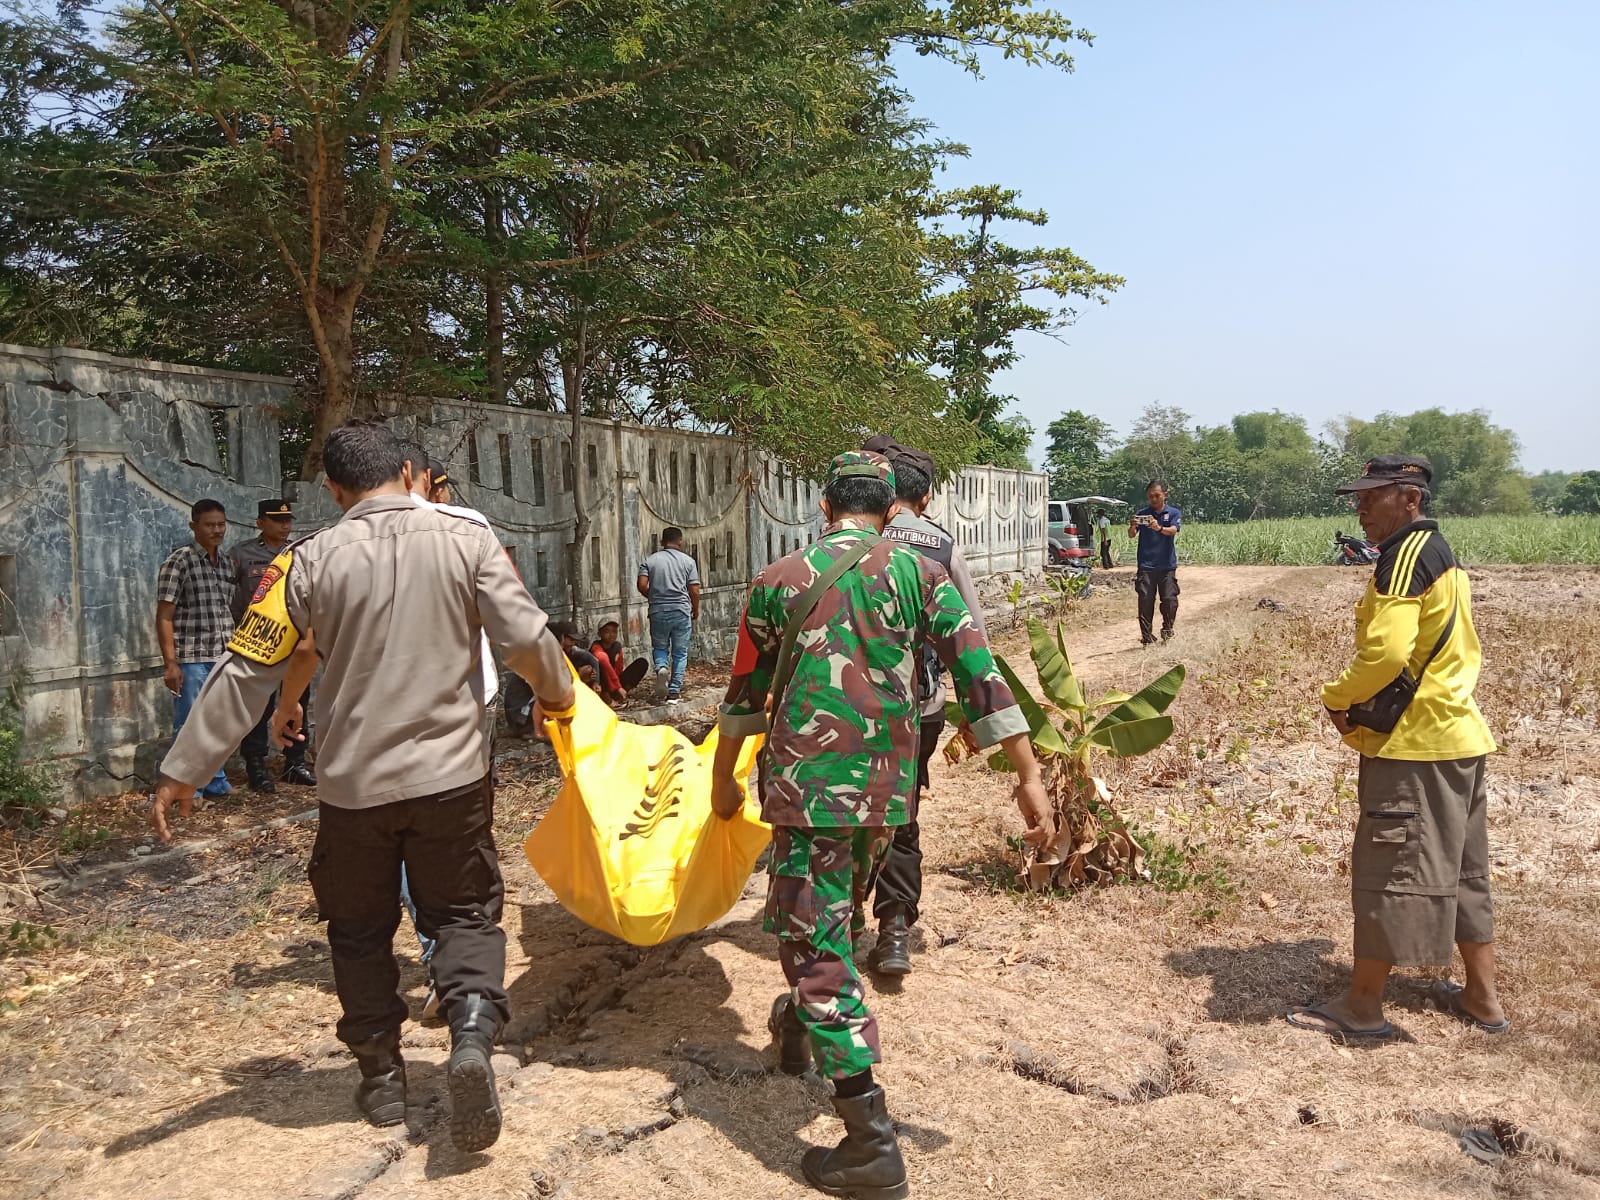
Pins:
<point x="1269" y="464"/>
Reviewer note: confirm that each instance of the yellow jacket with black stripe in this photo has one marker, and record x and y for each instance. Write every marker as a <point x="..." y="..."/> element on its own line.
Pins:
<point x="1399" y="620"/>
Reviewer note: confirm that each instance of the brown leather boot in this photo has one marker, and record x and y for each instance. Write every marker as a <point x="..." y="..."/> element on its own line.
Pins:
<point x="381" y="1097"/>
<point x="867" y="1163"/>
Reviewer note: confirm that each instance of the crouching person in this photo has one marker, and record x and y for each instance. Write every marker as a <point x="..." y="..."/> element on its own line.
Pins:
<point x="399" y="596"/>
<point x="832" y="634"/>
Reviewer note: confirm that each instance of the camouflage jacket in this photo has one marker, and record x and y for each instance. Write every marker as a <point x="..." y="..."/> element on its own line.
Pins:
<point x="842" y="751"/>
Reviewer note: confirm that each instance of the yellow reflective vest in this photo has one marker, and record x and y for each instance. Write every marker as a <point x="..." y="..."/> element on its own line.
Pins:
<point x="1399" y="620"/>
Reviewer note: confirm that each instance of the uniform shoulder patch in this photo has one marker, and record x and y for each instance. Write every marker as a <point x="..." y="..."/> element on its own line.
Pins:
<point x="265" y="634"/>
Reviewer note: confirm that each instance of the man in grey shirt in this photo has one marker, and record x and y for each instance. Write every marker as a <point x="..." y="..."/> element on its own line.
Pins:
<point x="399" y="597"/>
<point x="670" y="581"/>
<point x="899" y="887"/>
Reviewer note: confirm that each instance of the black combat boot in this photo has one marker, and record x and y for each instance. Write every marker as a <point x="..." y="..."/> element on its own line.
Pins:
<point x="794" y="1049"/>
<point x="474" y="1106"/>
<point x="867" y="1164"/>
<point x="255" y="771"/>
<point x="382" y="1094"/>
<point x="892" y="953"/>
<point x="299" y="774"/>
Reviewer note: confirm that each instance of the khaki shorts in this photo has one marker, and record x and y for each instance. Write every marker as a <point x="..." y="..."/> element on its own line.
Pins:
<point x="1419" y="869"/>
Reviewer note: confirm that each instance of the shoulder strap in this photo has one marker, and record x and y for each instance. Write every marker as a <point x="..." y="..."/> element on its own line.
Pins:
<point x="802" y="609"/>
<point x="1449" y="628"/>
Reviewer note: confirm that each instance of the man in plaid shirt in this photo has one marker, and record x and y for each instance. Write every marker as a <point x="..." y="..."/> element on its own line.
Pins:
<point x="193" y="616"/>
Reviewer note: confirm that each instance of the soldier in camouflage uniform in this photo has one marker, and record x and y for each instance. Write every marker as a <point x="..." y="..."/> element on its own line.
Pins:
<point x="838" y="775"/>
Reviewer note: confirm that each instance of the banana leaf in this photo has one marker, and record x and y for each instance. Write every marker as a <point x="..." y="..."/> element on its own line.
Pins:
<point x="1150" y="701"/>
<point x="1109" y="699"/>
<point x="1055" y="669"/>
<point x="1128" y="739"/>
<point x="1044" y="734"/>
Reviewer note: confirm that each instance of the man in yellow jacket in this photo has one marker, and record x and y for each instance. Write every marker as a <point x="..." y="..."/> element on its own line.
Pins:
<point x="1419" y="868"/>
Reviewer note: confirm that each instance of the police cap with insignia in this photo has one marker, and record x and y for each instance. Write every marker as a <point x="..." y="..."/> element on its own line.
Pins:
<point x="273" y="508"/>
<point x="1388" y="469"/>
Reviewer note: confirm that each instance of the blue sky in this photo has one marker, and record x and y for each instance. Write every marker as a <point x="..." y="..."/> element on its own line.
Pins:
<point x="1324" y="208"/>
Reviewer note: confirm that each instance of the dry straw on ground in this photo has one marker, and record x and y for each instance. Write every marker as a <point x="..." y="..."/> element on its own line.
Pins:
<point x="1125" y="1043"/>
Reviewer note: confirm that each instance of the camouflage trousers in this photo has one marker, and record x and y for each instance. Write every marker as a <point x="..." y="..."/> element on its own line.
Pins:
<point x="816" y="904"/>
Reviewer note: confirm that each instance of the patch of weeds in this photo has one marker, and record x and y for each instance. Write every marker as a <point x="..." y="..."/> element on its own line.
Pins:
<point x="1187" y="866"/>
<point x="79" y="837"/>
<point x="26" y="938"/>
<point x="272" y="879"/>
<point x="27" y="792"/>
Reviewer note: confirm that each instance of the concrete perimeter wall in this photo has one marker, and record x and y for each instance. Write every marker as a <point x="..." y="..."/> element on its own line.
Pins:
<point x="101" y="457"/>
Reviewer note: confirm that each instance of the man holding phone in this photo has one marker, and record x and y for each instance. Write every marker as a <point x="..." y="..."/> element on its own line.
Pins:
<point x="1156" y="526"/>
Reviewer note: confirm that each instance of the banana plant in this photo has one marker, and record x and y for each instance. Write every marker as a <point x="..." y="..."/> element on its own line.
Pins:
<point x="1092" y="844"/>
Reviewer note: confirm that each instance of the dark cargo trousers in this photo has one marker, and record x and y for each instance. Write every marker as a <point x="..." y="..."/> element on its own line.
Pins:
<point x="1149" y="585"/>
<point x="900" y="879"/>
<point x="257" y="743"/>
<point x="446" y="844"/>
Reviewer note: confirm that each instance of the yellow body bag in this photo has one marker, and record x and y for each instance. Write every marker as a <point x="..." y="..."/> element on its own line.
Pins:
<point x="631" y="845"/>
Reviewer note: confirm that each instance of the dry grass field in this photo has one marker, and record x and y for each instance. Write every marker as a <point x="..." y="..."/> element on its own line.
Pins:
<point x="175" y="1041"/>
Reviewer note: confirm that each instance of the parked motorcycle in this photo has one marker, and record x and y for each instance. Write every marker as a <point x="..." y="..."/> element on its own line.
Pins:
<point x="1353" y="551"/>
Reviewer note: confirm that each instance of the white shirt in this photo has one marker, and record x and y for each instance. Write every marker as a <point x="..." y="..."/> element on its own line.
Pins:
<point x="491" y="679"/>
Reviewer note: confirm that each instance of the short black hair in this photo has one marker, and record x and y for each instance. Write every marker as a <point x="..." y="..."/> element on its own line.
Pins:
<point x="1157" y="483"/>
<point x="202" y="507"/>
<point x="362" y="456"/>
<point x="864" y="494"/>
<point x="413" y="453"/>
<point x="671" y="535"/>
<point x="911" y="482"/>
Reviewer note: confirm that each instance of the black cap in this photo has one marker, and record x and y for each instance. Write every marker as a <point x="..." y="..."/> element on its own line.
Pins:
<point x="439" y="473"/>
<point x="1387" y="469"/>
<point x="273" y="508"/>
<point x="882" y="443"/>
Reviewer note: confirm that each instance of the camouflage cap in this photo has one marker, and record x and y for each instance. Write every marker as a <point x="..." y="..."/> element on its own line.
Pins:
<point x="859" y="462"/>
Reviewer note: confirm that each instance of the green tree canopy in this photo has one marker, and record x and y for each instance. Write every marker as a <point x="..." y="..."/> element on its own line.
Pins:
<point x="1076" y="456"/>
<point x="1581" y="495"/>
<point x="703" y="213"/>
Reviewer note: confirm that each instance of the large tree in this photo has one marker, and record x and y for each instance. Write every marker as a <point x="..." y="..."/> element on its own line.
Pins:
<point x="704" y="212"/>
<point x="1076" y="455"/>
<point x="985" y="293"/>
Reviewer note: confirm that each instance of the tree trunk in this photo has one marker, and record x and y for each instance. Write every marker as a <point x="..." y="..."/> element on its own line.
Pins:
<point x="494" y="295"/>
<point x="335" y="378"/>
<point x="573" y="371"/>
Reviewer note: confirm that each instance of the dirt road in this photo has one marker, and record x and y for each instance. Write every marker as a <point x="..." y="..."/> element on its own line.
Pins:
<point x="1122" y="1044"/>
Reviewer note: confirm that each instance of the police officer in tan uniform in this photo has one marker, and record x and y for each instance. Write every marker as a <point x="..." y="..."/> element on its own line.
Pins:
<point x="398" y="595"/>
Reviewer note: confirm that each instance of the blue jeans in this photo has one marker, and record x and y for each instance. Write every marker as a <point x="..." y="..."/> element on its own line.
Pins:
<point x="669" y="642"/>
<point x="426" y="943"/>
<point x="194" y="678"/>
